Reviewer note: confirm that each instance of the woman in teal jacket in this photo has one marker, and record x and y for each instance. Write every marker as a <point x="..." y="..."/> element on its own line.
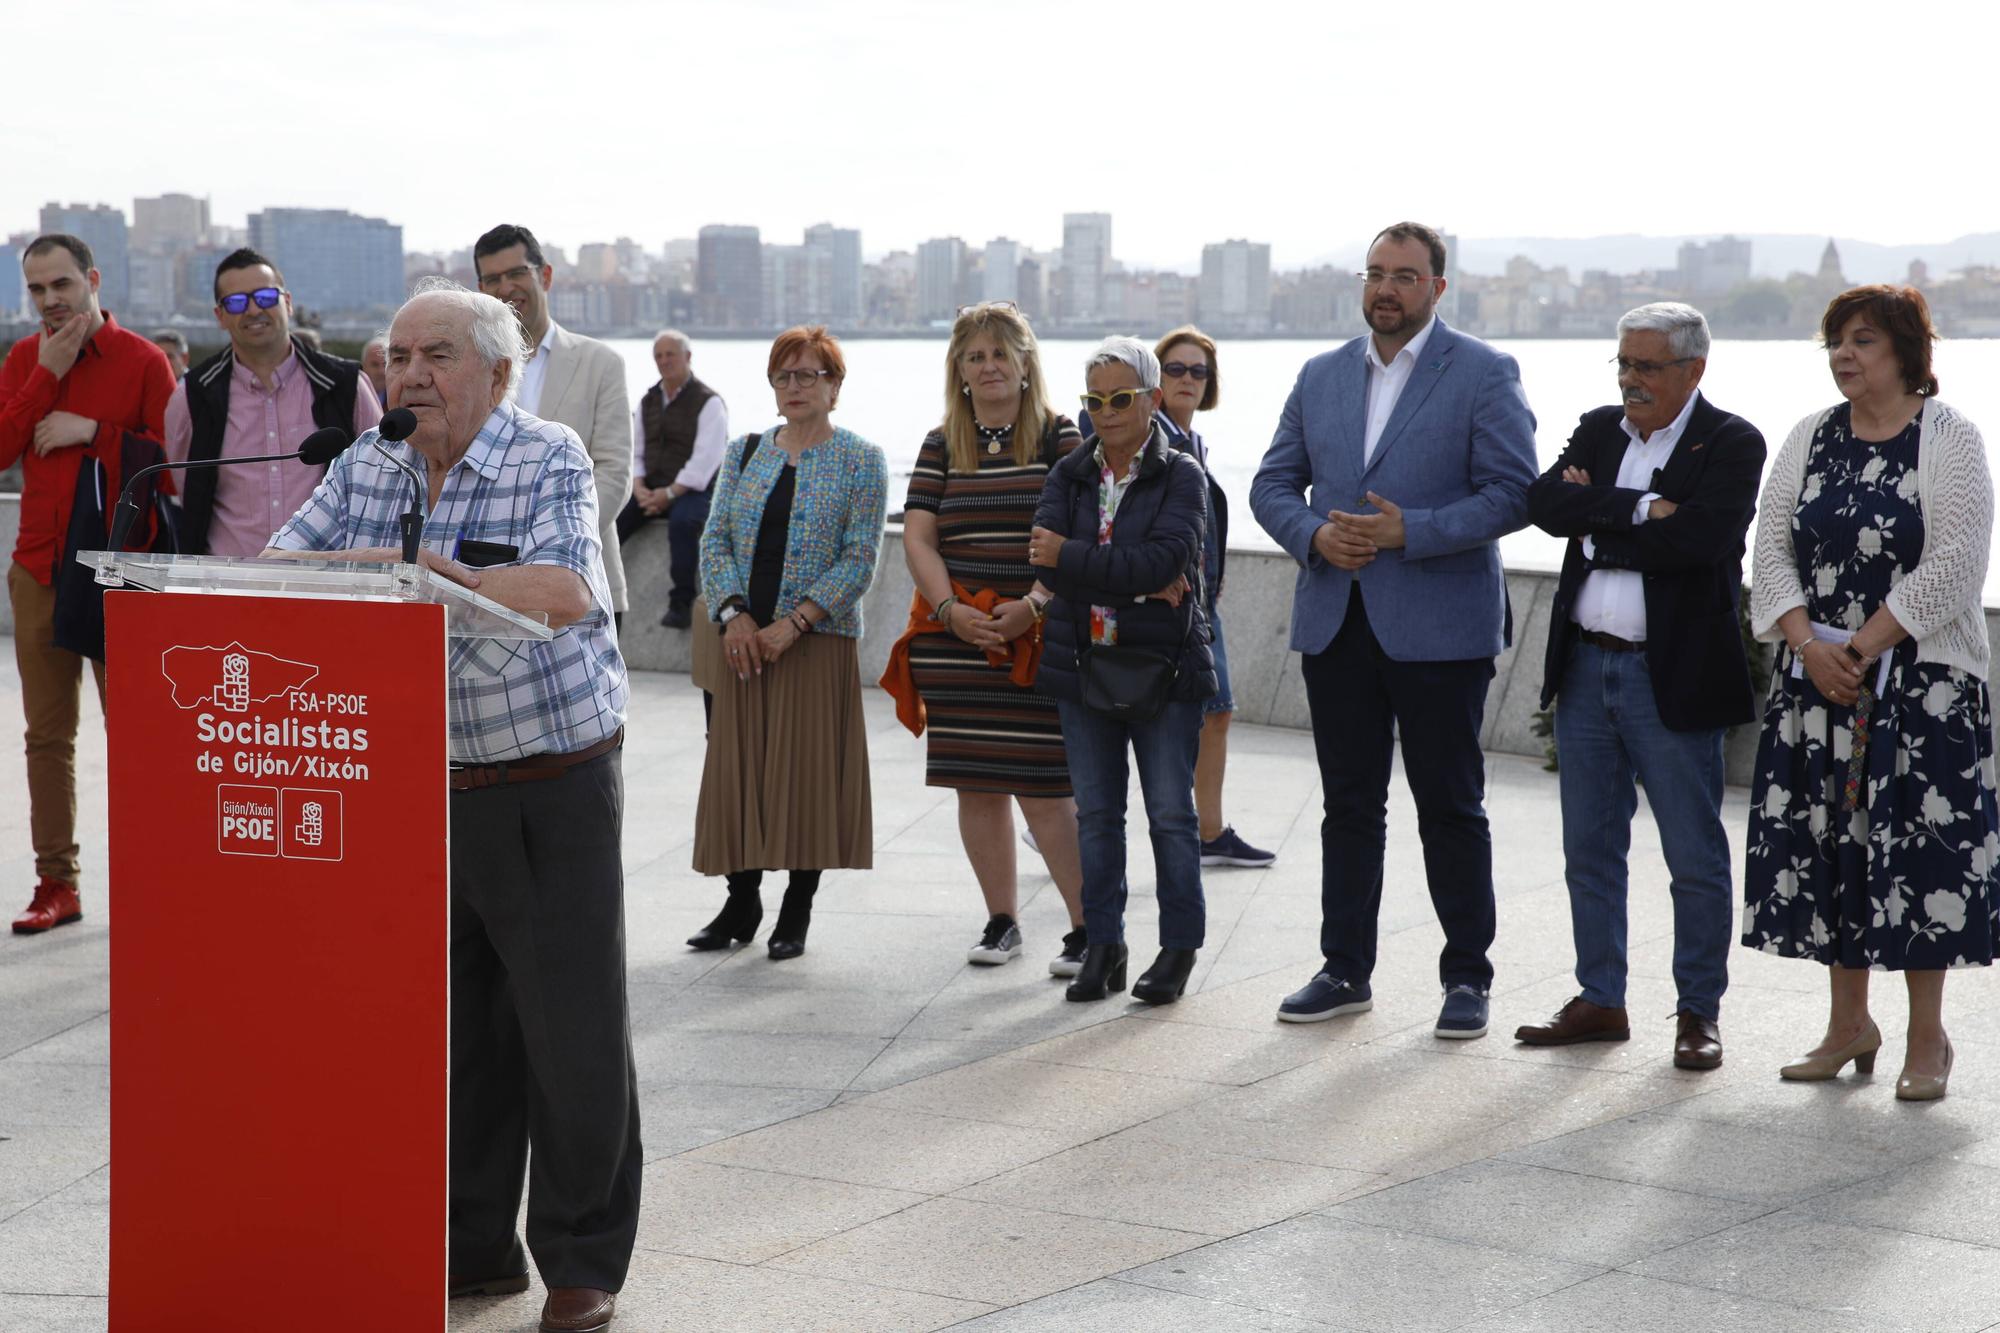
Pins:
<point x="794" y="529"/>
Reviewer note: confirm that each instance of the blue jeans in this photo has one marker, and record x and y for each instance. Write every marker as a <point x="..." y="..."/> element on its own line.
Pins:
<point x="1608" y="730"/>
<point x="1165" y="747"/>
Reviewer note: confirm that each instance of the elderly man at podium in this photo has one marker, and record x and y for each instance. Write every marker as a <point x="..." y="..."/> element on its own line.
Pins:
<point x="541" y="1045"/>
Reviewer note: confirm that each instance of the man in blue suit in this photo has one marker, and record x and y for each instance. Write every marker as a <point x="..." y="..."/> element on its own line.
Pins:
<point x="1399" y="462"/>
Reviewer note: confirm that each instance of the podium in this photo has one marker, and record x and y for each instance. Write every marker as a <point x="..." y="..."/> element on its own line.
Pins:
<point x="277" y="744"/>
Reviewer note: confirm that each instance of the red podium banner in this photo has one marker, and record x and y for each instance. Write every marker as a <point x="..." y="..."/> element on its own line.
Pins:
<point x="279" y="962"/>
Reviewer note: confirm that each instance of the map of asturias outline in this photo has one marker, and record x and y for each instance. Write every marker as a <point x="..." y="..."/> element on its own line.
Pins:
<point x="204" y="676"/>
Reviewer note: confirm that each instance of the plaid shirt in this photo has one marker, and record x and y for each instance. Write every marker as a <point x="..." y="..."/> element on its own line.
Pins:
<point x="524" y="483"/>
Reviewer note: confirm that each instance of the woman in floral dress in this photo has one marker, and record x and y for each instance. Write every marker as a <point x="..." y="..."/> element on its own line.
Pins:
<point x="1874" y="830"/>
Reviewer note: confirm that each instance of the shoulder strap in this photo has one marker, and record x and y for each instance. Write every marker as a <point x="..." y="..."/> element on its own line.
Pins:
<point x="749" y="450"/>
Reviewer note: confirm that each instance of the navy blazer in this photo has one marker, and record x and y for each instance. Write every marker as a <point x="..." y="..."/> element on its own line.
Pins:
<point x="1157" y="536"/>
<point x="1458" y="454"/>
<point x="1691" y="561"/>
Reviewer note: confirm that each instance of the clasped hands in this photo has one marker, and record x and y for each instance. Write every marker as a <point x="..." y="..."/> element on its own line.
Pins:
<point x="653" y="500"/>
<point x="1349" y="541"/>
<point x="1835" y="671"/>
<point x="748" y="649"/>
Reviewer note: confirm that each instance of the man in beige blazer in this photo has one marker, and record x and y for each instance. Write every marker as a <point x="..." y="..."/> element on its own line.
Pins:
<point x="569" y="378"/>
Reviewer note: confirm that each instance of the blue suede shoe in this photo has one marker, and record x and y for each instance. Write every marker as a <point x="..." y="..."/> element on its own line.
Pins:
<point x="1326" y="996"/>
<point x="1464" y="1014"/>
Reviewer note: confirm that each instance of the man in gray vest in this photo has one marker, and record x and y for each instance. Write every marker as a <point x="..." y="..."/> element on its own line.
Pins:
<point x="679" y="432"/>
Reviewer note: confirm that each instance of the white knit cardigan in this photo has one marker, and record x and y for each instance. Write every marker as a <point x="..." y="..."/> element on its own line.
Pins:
<point x="1940" y="601"/>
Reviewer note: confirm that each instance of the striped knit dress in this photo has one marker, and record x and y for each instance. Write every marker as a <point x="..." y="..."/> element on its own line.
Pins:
<point x="984" y="732"/>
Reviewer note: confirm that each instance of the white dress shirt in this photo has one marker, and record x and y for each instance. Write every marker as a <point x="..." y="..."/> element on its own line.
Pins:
<point x="711" y="437"/>
<point x="1613" y="601"/>
<point x="1386" y="384"/>
<point x="534" y="374"/>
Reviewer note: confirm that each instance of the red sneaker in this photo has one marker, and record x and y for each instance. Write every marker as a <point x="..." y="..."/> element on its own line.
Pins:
<point x="55" y="904"/>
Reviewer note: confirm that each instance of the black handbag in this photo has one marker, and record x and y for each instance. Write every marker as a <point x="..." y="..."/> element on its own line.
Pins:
<point x="1125" y="681"/>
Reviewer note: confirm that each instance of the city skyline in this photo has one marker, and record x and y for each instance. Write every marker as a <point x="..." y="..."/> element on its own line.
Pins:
<point x="346" y="270"/>
<point x="1298" y="124"/>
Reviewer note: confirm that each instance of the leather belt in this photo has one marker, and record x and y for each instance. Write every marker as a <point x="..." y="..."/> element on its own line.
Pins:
<point x="1610" y="643"/>
<point x="532" y="768"/>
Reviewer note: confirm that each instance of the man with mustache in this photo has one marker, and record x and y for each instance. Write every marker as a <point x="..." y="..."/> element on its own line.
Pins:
<point x="70" y="391"/>
<point x="1655" y="494"/>
<point x="569" y="378"/>
<point x="1399" y="462"/>
<point x="262" y="394"/>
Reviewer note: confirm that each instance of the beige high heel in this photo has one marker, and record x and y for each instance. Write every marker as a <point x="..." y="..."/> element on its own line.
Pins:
<point x="1925" y="1087"/>
<point x="1818" y="1068"/>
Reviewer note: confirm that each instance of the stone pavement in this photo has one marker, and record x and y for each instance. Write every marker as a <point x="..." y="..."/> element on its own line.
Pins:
<point x="880" y="1137"/>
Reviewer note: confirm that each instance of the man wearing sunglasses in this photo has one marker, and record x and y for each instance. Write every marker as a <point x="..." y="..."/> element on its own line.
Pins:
<point x="263" y="394"/>
<point x="1399" y="462"/>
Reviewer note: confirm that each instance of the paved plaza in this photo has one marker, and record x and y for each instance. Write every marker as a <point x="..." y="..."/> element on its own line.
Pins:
<point x="880" y="1137"/>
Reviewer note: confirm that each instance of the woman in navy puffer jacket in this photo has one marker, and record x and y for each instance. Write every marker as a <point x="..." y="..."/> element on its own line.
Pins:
<point x="1119" y="530"/>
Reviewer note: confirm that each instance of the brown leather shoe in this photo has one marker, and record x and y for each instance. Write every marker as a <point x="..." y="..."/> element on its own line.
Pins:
<point x="1697" y="1043"/>
<point x="509" y="1284"/>
<point x="55" y="904"/>
<point x="1579" y="1020"/>
<point x="577" y="1310"/>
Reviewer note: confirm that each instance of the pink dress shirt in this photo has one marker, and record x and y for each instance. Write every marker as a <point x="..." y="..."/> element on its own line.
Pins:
<point x="254" y="500"/>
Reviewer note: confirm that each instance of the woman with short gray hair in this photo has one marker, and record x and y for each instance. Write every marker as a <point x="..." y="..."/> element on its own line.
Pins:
<point x="1118" y="537"/>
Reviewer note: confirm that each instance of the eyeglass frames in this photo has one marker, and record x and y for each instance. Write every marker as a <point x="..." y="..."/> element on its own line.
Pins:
<point x="238" y="302"/>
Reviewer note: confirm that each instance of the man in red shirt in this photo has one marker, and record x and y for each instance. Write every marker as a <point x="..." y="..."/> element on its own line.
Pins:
<point x="69" y="392"/>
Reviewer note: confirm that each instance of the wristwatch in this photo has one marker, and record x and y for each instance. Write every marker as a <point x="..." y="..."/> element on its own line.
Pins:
<point x="727" y="614"/>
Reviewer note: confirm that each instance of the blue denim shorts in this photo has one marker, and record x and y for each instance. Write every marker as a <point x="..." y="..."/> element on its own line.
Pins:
<point x="1222" y="701"/>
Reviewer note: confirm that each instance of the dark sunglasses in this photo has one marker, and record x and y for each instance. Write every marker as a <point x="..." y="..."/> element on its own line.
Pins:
<point x="1176" y="369"/>
<point x="238" y="302"/>
<point x="1117" y="401"/>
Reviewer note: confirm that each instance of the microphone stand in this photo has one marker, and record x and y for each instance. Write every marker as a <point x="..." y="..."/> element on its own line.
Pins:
<point x="128" y="504"/>
<point x="412" y="521"/>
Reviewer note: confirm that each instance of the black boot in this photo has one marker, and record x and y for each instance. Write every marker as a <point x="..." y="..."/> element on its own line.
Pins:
<point x="1166" y="979"/>
<point x="788" y="937"/>
<point x="740" y="916"/>
<point x="1103" y="973"/>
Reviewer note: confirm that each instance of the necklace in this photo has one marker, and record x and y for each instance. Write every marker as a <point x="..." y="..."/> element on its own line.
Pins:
<point x="994" y="437"/>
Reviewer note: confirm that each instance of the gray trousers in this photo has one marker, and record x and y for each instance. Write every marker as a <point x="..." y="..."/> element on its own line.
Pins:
<point x="541" y="1042"/>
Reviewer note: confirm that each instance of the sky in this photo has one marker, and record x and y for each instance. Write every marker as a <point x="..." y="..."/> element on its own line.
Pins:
<point x="1308" y="126"/>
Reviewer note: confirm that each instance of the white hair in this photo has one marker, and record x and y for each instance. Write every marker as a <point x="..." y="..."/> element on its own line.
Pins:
<point x="380" y="340"/>
<point x="496" y="334"/>
<point x="1686" y="328"/>
<point x="679" y="338"/>
<point x="1121" y="351"/>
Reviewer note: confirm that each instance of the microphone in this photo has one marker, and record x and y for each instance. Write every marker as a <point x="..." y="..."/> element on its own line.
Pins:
<point x="318" y="449"/>
<point x="396" y="425"/>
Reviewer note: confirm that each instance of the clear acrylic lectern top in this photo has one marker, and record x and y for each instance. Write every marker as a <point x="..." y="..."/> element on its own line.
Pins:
<point x="467" y="614"/>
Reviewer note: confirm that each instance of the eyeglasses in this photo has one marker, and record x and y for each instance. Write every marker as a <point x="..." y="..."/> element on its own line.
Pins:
<point x="1176" y="369"/>
<point x="1405" y="281"/>
<point x="1645" y="370"/>
<point x="1117" y="400"/>
<point x="238" y="302"/>
<point x="977" y="306"/>
<point x="779" y="379"/>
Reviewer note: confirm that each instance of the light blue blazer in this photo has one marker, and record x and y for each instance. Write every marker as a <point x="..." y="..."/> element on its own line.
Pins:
<point x="1458" y="455"/>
